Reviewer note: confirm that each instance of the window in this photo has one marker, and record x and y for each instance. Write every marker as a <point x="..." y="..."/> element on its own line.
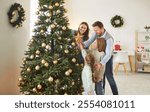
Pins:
<point x="33" y="16"/>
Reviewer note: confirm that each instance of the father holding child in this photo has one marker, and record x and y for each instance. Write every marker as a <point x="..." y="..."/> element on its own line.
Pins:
<point x="107" y="61"/>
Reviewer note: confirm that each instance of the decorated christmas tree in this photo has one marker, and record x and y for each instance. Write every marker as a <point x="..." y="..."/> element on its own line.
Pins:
<point x="51" y="65"/>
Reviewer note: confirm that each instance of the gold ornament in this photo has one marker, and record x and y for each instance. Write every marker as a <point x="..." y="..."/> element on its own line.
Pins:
<point x="37" y="52"/>
<point x="52" y="26"/>
<point x="64" y="28"/>
<point x="74" y="60"/>
<point x="23" y="63"/>
<point x="46" y="50"/>
<point x="66" y="51"/>
<point x="37" y="67"/>
<point x="59" y="38"/>
<point x="81" y="65"/>
<point x="50" y="7"/>
<point x="61" y="46"/>
<point x="56" y="91"/>
<point x="33" y="30"/>
<point x="73" y="44"/>
<point x="19" y="9"/>
<point x="17" y="26"/>
<point x="24" y="59"/>
<point x="39" y="86"/>
<point x="70" y="70"/>
<point x="22" y="83"/>
<point x="57" y="81"/>
<point x="50" y="79"/>
<point x="77" y="64"/>
<point x="46" y="20"/>
<point x="67" y="73"/>
<point x="42" y="31"/>
<point x="73" y="83"/>
<point x="55" y="61"/>
<point x="58" y="11"/>
<point x="65" y="94"/>
<point x="57" y="4"/>
<point x="22" y="17"/>
<point x="43" y="61"/>
<point x="37" y="56"/>
<point x="49" y="15"/>
<point x="13" y="13"/>
<point x="32" y="56"/>
<point x="46" y="64"/>
<point x="68" y="39"/>
<point x="11" y="20"/>
<point x="26" y="93"/>
<point x="34" y="90"/>
<point x="28" y="69"/>
<point x="48" y="47"/>
<point x="43" y="44"/>
<point x="20" y="79"/>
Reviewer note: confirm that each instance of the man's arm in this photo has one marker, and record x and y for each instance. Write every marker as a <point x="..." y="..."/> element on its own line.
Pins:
<point x="90" y="40"/>
<point x="108" y="51"/>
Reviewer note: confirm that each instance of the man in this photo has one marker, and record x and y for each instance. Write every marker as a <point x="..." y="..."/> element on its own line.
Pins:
<point x="100" y="32"/>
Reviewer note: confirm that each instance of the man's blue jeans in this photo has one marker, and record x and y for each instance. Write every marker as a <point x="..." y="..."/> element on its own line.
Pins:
<point x="99" y="88"/>
<point x="109" y="75"/>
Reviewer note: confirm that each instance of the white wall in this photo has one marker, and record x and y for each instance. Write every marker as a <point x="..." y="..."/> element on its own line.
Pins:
<point x="13" y="43"/>
<point x="135" y="13"/>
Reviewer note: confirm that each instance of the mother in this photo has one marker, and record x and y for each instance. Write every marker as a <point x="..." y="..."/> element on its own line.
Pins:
<point x="83" y="33"/>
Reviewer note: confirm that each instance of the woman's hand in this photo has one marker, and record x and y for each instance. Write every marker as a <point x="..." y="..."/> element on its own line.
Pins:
<point x="80" y="46"/>
<point x="78" y="38"/>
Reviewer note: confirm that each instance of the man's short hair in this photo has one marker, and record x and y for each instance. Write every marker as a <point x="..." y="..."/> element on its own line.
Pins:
<point x="98" y="23"/>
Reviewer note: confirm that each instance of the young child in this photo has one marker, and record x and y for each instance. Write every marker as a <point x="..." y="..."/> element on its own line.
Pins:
<point x="99" y="53"/>
<point x="87" y="80"/>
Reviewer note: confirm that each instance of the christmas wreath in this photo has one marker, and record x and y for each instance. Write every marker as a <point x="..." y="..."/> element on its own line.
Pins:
<point x="16" y="15"/>
<point x="117" y="21"/>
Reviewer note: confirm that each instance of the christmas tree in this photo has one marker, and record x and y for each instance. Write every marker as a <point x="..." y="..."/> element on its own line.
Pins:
<point x="51" y="65"/>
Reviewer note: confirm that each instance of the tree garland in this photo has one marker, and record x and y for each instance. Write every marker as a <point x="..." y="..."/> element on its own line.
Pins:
<point x="117" y="21"/>
<point x="16" y="15"/>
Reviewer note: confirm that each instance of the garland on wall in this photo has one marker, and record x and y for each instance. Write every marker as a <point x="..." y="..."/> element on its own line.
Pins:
<point x="117" y="21"/>
<point x="16" y="15"/>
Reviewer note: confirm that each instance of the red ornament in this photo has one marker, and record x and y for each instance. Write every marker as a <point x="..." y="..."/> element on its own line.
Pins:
<point x="117" y="47"/>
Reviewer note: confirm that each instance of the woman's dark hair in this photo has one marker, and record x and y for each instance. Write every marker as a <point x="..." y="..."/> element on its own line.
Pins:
<point x="98" y="23"/>
<point x="86" y="33"/>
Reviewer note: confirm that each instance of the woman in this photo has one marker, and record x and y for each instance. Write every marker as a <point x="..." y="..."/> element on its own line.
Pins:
<point x="82" y="35"/>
